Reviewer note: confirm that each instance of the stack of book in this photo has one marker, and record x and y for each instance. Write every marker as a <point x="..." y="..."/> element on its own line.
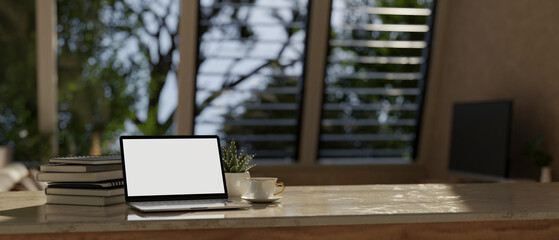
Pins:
<point x="83" y="180"/>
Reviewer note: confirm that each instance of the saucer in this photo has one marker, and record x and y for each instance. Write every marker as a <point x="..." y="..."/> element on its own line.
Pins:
<point x="261" y="200"/>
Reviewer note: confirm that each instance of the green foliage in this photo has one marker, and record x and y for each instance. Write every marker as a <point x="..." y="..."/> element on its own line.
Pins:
<point x="93" y="94"/>
<point x="534" y="151"/>
<point x="102" y="86"/>
<point x="234" y="161"/>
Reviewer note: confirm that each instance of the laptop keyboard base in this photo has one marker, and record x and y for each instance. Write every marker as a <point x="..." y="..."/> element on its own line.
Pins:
<point x="179" y="205"/>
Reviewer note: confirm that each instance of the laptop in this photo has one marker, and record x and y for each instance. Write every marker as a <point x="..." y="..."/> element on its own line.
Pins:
<point x="174" y="173"/>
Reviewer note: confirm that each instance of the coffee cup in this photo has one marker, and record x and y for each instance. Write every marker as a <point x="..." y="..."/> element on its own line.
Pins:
<point x="263" y="187"/>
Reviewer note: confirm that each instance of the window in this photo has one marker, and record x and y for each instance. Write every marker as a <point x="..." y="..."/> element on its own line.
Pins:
<point x="118" y="62"/>
<point x="117" y="71"/>
<point x="250" y="66"/>
<point x="373" y="84"/>
<point x="18" y="84"/>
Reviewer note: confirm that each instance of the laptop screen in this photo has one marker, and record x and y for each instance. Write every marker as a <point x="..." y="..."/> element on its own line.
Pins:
<point x="172" y="165"/>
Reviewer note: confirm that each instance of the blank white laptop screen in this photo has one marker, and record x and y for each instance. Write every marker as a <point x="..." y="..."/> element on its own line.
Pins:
<point x="172" y="166"/>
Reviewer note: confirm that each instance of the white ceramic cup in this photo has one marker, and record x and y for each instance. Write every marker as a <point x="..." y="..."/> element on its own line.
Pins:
<point x="263" y="187"/>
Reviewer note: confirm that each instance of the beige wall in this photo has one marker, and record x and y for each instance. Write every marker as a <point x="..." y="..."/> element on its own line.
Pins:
<point x="490" y="50"/>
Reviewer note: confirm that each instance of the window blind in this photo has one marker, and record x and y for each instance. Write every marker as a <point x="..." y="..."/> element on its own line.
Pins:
<point x="378" y="52"/>
<point x="250" y="66"/>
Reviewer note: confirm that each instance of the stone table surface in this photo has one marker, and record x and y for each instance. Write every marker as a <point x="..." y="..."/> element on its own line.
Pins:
<point x="26" y="212"/>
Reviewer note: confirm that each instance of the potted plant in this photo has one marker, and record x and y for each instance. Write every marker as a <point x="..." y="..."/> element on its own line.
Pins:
<point x="236" y="165"/>
<point x="542" y="159"/>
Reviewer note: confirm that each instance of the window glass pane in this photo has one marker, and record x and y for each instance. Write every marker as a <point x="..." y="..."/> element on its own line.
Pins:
<point x="250" y="67"/>
<point x="18" y="82"/>
<point x="117" y="68"/>
<point x="373" y="80"/>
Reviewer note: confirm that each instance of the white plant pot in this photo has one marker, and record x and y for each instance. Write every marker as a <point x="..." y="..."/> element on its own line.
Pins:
<point x="545" y="176"/>
<point x="237" y="184"/>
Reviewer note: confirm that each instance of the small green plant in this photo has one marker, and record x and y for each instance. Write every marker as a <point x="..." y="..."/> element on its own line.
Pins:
<point x="533" y="150"/>
<point x="235" y="162"/>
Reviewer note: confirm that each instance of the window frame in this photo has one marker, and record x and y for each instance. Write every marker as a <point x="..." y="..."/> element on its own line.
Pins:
<point x="427" y="52"/>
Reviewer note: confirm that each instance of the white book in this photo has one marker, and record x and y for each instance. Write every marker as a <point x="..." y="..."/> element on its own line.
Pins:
<point x="102" y="192"/>
<point x="84" y="200"/>
<point x="63" y="167"/>
<point x="79" y="177"/>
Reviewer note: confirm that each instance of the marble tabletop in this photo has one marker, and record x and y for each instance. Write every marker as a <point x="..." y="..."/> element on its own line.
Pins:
<point x="26" y="212"/>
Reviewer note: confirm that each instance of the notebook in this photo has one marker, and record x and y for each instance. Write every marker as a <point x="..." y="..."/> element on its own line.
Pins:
<point x="87" y="160"/>
<point x="174" y="173"/>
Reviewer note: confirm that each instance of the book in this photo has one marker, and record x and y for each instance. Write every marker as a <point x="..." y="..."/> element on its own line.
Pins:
<point x="84" y="200"/>
<point x="103" y="184"/>
<point x="89" y="160"/>
<point x="63" y="167"/>
<point x="79" y="177"/>
<point x="11" y="175"/>
<point x="102" y="192"/>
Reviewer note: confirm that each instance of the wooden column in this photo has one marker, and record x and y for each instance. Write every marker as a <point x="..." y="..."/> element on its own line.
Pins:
<point x="186" y="76"/>
<point x="317" y="49"/>
<point x="47" y="77"/>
